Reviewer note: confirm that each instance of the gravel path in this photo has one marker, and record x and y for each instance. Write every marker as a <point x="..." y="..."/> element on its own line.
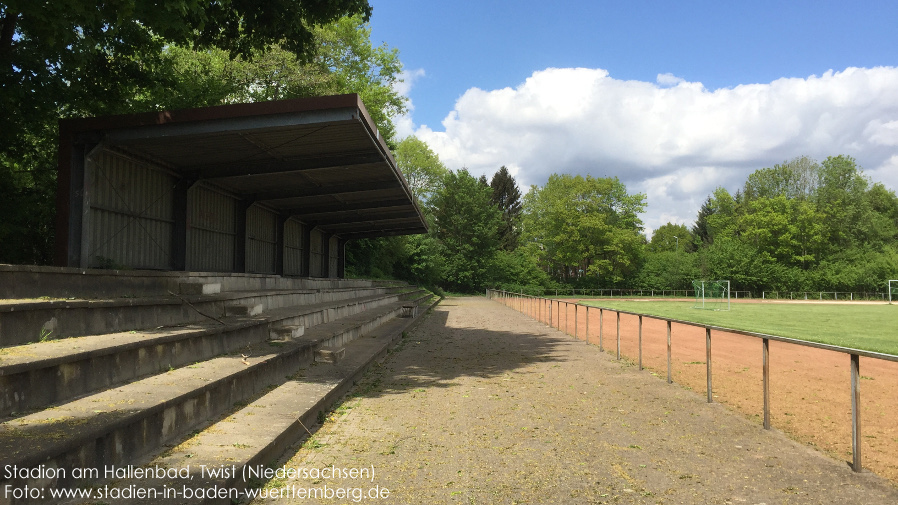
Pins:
<point x="480" y="404"/>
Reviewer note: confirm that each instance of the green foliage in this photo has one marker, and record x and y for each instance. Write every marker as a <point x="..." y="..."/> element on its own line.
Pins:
<point x="518" y="271"/>
<point x="668" y="270"/>
<point x="794" y="179"/>
<point x="507" y="197"/>
<point x="467" y="225"/>
<point x="801" y="226"/>
<point x="671" y="237"/>
<point x="81" y="59"/>
<point x="374" y="258"/>
<point x="424" y="263"/>
<point x="27" y="207"/>
<point x="344" y="61"/>
<point x="585" y="227"/>
<point x="421" y="168"/>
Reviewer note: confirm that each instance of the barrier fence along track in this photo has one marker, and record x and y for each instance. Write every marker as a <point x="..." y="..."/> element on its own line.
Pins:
<point x="736" y="295"/>
<point x="549" y="312"/>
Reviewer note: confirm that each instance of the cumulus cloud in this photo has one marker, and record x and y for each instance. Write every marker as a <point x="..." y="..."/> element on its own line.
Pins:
<point x="668" y="79"/>
<point x="405" y="126"/>
<point x="672" y="139"/>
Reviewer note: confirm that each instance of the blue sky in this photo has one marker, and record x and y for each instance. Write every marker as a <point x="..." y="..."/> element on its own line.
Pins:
<point x="659" y="94"/>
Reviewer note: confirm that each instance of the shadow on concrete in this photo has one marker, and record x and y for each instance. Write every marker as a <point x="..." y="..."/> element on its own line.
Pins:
<point x="435" y="354"/>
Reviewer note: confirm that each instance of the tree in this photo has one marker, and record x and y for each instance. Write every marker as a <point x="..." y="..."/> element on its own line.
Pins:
<point x="421" y="168"/>
<point x="671" y="237"/>
<point x="507" y="197"/>
<point x="796" y="178"/>
<point x="841" y="197"/>
<point x="125" y="66"/>
<point x="701" y="230"/>
<point x="52" y="54"/>
<point x="585" y="227"/>
<point x="345" y="62"/>
<point x="467" y="226"/>
<point x="788" y="231"/>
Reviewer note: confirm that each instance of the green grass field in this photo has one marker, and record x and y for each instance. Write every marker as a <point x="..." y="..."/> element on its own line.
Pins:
<point x="867" y="327"/>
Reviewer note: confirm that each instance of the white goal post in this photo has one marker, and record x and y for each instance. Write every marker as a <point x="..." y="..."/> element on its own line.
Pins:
<point x="893" y="287"/>
<point x="713" y="295"/>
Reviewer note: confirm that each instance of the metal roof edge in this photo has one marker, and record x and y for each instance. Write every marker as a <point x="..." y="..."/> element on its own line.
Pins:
<point x="287" y="106"/>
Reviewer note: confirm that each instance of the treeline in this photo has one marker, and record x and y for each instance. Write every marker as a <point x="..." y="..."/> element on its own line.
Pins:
<point x="798" y="226"/>
<point x="801" y="225"/>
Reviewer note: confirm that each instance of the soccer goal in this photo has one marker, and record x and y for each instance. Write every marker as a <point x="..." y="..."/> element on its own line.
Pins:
<point x="713" y="295"/>
<point x="893" y="288"/>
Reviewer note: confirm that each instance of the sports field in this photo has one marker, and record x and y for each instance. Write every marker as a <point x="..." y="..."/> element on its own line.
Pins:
<point x="809" y="387"/>
<point x="858" y="325"/>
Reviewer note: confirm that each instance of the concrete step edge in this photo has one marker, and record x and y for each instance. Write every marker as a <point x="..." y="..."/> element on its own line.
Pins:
<point x="58" y="319"/>
<point x="81" y="376"/>
<point x="67" y="454"/>
<point x="275" y="421"/>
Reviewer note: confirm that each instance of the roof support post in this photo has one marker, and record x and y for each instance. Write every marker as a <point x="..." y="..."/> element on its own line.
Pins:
<point x="279" y="248"/>
<point x="325" y="255"/>
<point x="341" y="258"/>
<point x="305" y="268"/>
<point x="240" y="236"/>
<point x="78" y="206"/>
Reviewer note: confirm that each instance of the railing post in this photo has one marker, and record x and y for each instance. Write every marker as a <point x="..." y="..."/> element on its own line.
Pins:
<point x="766" y="346"/>
<point x="856" y="412"/>
<point x="618" y="334"/>
<point x="669" y="378"/>
<point x="708" y="363"/>
<point x="587" y="324"/>
<point x="567" y="327"/>
<point x="640" y="342"/>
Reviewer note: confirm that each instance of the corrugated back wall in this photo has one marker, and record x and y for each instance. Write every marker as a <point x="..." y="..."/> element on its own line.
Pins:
<point x="261" y="240"/>
<point x="211" y="230"/>
<point x="131" y="213"/>
<point x="293" y="247"/>
<point x="333" y="256"/>
<point x="315" y="254"/>
<point x="131" y="224"/>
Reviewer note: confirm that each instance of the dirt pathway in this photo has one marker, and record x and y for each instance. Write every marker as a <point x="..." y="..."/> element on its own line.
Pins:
<point x="481" y="404"/>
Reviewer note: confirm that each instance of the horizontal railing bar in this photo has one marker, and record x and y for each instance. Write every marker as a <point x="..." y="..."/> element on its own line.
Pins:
<point x="806" y="343"/>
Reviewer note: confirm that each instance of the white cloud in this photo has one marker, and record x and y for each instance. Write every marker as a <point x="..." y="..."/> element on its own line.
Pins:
<point x="673" y="140"/>
<point x="668" y="79"/>
<point x="405" y="126"/>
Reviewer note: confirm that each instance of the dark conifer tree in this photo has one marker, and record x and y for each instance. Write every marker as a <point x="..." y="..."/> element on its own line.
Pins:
<point x="701" y="232"/>
<point x="507" y="197"/>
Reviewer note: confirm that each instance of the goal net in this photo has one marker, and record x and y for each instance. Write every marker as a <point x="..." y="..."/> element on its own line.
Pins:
<point x="893" y="290"/>
<point x="713" y="295"/>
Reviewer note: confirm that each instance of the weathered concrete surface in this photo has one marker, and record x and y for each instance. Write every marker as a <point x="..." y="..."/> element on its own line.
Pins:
<point x="121" y="425"/>
<point x="484" y="405"/>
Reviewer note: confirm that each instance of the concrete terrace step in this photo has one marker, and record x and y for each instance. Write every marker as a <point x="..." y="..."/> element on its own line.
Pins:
<point x="121" y="425"/>
<point x="24" y="321"/>
<point x="259" y="433"/>
<point x="25" y="281"/>
<point x="35" y="375"/>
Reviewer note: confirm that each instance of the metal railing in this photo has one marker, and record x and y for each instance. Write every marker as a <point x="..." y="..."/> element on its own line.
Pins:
<point x="621" y="292"/>
<point x="736" y="295"/>
<point x="823" y="295"/>
<point x="547" y="310"/>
